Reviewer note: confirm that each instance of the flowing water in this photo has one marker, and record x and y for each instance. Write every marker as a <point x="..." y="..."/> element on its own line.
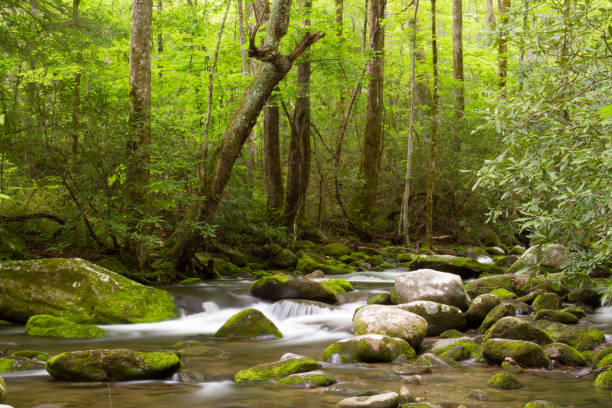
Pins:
<point x="308" y="328"/>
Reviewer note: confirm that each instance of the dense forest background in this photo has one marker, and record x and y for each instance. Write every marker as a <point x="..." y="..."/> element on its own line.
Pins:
<point x="515" y="145"/>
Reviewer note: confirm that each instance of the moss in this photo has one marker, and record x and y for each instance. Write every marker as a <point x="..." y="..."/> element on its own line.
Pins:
<point x="516" y="250"/>
<point x="337" y="286"/>
<point x="525" y="353"/>
<point x="39" y="355"/>
<point x="190" y="281"/>
<point x="192" y="348"/>
<point x="369" y="348"/>
<point x="566" y="355"/>
<point x="604" y="380"/>
<point x="248" y="323"/>
<point x="541" y="404"/>
<point x="335" y="249"/>
<point x="459" y="351"/>
<point x="486" y="284"/>
<point x="380" y="299"/>
<point x="307" y="264"/>
<point x="547" y="301"/>
<point x="406" y="257"/>
<point x="575" y="310"/>
<point x="504" y="381"/>
<point x="285" y="258"/>
<point x="451" y="334"/>
<point x="578" y="336"/>
<point x="307" y="380"/>
<point x="51" y="326"/>
<point x="6" y="365"/>
<point x="515" y="328"/>
<point x="499" y="311"/>
<point x="267" y="280"/>
<point x="276" y="370"/>
<point x="556" y="316"/>
<point x="601" y="354"/>
<point x="605" y="361"/>
<point x="503" y="293"/>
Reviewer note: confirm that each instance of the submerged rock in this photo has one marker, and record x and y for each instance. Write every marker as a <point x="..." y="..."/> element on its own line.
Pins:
<point x="112" y="365"/>
<point x="51" y="326"/>
<point x="193" y="348"/>
<point x="79" y="291"/>
<point x="248" y="323"/>
<point x="386" y="400"/>
<point x="427" y="284"/>
<point x="390" y="321"/>
<point x="276" y="370"/>
<point x="505" y="381"/>
<point x="431" y="360"/>
<point x="14" y="363"/>
<point x="581" y="337"/>
<point x="565" y="355"/>
<point x="439" y="317"/>
<point x="525" y="353"/>
<point x="517" y="329"/>
<point x="368" y="348"/>
<point x="311" y="379"/>
<point x="479" y="308"/>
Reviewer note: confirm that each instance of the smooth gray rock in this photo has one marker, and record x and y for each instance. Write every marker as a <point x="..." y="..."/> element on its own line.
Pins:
<point x="427" y="284"/>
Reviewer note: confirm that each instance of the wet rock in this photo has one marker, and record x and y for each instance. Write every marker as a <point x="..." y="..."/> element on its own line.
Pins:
<point x="427" y="284"/>
<point x="353" y="389"/>
<point x="478" y="395"/>
<point x="386" y="400"/>
<point x="479" y="308"/>
<point x="285" y="259"/>
<point x="547" y="301"/>
<point x="556" y="316"/>
<point x="565" y="355"/>
<point x="462" y="266"/>
<point x="19" y="364"/>
<point x="488" y="283"/>
<point x="112" y="365"/>
<point x="248" y="323"/>
<point x="504" y="381"/>
<point x="311" y="379"/>
<point x="414" y="379"/>
<point x="525" y="353"/>
<point x="368" y="348"/>
<point x="604" y="380"/>
<point x="335" y="249"/>
<point x="502" y="310"/>
<point x="601" y="355"/>
<point x="439" y="317"/>
<point x="315" y="275"/>
<point x="51" y="326"/>
<point x="548" y="257"/>
<point x="276" y="370"/>
<point x="79" y="291"/>
<point x="431" y="360"/>
<point x="459" y="351"/>
<point x="575" y="310"/>
<point x="32" y="354"/>
<point x="380" y="299"/>
<point x="541" y="404"/>
<point x="390" y="321"/>
<point x="277" y="287"/>
<point x="581" y="337"/>
<point x="451" y="334"/>
<point x="517" y="329"/>
<point x="193" y="348"/>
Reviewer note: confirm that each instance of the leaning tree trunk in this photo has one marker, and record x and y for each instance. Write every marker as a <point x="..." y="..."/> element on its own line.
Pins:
<point x="137" y="169"/>
<point x="274" y="68"/>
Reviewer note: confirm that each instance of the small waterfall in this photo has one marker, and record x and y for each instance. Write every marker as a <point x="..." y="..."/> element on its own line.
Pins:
<point x="210" y="307"/>
<point x="485" y="259"/>
<point x="286" y="309"/>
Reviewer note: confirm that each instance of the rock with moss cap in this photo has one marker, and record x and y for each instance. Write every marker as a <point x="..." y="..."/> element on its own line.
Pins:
<point x="277" y="287"/>
<point x="380" y="299"/>
<point x="541" y="258"/>
<point x="503" y="293"/>
<point x="51" y="326"/>
<point x="276" y="370"/>
<point x="479" y="308"/>
<point x="547" y="301"/>
<point x="112" y="365"/>
<point x="79" y="291"/>
<point x="488" y="283"/>
<point x="390" y="321"/>
<point x="439" y="317"/>
<point x="556" y="316"/>
<point x="15" y="363"/>
<point x="309" y="263"/>
<point x="311" y="379"/>
<point x="285" y="259"/>
<point x="502" y="310"/>
<point x="575" y="310"/>
<point x="581" y="337"/>
<point x="368" y="348"/>
<point x="565" y="355"/>
<point x="451" y="334"/>
<point x="462" y="266"/>
<point x="386" y="400"/>
<point x="515" y="328"/>
<point x="427" y="284"/>
<point x="504" y="381"/>
<point x="541" y="404"/>
<point x="335" y="249"/>
<point x="459" y="351"/>
<point x="249" y="323"/>
<point x="33" y="354"/>
<point x="601" y="355"/>
<point x="604" y="380"/>
<point x="526" y="353"/>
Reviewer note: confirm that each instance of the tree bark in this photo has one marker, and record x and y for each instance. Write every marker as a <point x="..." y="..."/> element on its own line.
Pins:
<point x="490" y="19"/>
<point x="431" y="170"/>
<point x="458" y="58"/>
<point x="76" y="93"/>
<point x="502" y="50"/>
<point x="272" y="163"/>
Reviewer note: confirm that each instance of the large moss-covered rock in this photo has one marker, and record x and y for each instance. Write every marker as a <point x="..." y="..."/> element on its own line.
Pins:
<point x="604" y="380"/>
<point x="547" y="301"/>
<point x="51" y="326"/>
<point x="462" y="266"/>
<point x="565" y="355"/>
<point x="248" y="323"/>
<point x="458" y="351"/>
<point x="499" y="311"/>
<point x="517" y="329"/>
<point x="504" y="381"/>
<point x="368" y="348"/>
<point x="386" y="400"/>
<point x="311" y="379"/>
<point x="276" y="370"/>
<point x="581" y="337"/>
<point x="79" y="291"/>
<point x="544" y="258"/>
<point x="603" y="357"/>
<point x="479" y="308"/>
<point x="486" y="284"/>
<point x="309" y="263"/>
<point x="112" y="365"/>
<point x="439" y="317"/>
<point x="427" y="284"/>
<point x="556" y="316"/>
<point x="390" y="321"/>
<point x="279" y="287"/>
<point x="335" y="249"/>
<point x="285" y="259"/>
<point x="526" y="353"/>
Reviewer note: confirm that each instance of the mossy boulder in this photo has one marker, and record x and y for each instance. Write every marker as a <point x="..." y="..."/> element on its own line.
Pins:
<point x="499" y="311"/>
<point x="565" y="355"/>
<point x="380" y="299"/>
<point x="279" y="287"/>
<point x="517" y="329"/>
<point x="504" y="381"/>
<point x="335" y="250"/>
<point x="486" y="284"/>
<point x="386" y="400"/>
<point x="581" y="337"/>
<point x="541" y="258"/>
<point x="190" y="281"/>
<point x="390" y="321"/>
<point x="547" y="301"/>
<point x="601" y="355"/>
<point x="526" y="353"/>
<point x="575" y="310"/>
<point x="479" y="308"/>
<point x="451" y="334"/>
<point x="285" y="259"/>
<point x="79" y="291"/>
<point x="556" y="316"/>
<point x="276" y="370"/>
<point x="604" y="380"/>
<point x="462" y="266"/>
<point x="308" y="263"/>
<point x="311" y="379"/>
<point x="436" y="286"/>
<point x="15" y="363"/>
<point x="541" y="404"/>
<point x="112" y="365"/>
<point x="439" y="317"/>
<point x="249" y="323"/>
<point x="32" y="354"/>
<point x="459" y="351"/>
<point x="503" y="293"/>
<point x="51" y="326"/>
<point x="368" y="348"/>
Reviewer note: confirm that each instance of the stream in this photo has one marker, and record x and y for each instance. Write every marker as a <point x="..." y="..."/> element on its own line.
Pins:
<point x="308" y="328"/>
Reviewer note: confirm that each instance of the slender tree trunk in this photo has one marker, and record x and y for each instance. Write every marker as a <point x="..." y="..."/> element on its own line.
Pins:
<point x="160" y="37"/>
<point x="431" y="170"/>
<point x="76" y="98"/>
<point x="458" y="58"/>
<point x="272" y="163"/>
<point x="522" y="44"/>
<point x="490" y="20"/>
<point x="372" y="144"/>
<point x="137" y="169"/>
<point x="502" y="50"/>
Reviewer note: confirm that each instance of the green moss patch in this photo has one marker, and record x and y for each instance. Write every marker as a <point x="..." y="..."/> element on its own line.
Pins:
<point x="312" y="379"/>
<point x="505" y="381"/>
<point x="604" y="380"/>
<point x="578" y="336"/>
<point x="368" y="348"/>
<point x="249" y="323"/>
<point x="51" y="326"/>
<point x="503" y="293"/>
<point x="276" y="370"/>
<point x="556" y="316"/>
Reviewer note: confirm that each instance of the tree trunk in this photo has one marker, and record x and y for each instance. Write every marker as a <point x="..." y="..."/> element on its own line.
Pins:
<point x="502" y="50"/>
<point x="434" y="133"/>
<point x="251" y="146"/>
<point x="458" y="58"/>
<point x="272" y="163"/>
<point x="137" y="169"/>
<point x="490" y="20"/>
<point x="371" y="151"/>
<point x="76" y="98"/>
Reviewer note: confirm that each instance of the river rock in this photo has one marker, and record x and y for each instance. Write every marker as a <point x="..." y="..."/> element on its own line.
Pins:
<point x="368" y="348"/>
<point x="581" y="337"/>
<point x="14" y="363"/>
<point x="479" y="308"/>
<point x="462" y="266"/>
<point x="517" y="329"/>
<point x="556" y="316"/>
<point x="541" y="404"/>
<point x="603" y="357"/>
<point x="112" y="365"/>
<point x="604" y="380"/>
<point x="390" y="321"/>
<point x="335" y="249"/>
<point x="505" y="381"/>
<point x="526" y="353"/>
<point x="565" y="355"/>
<point x="427" y="284"/>
<point x="279" y="287"/>
<point x="460" y="350"/>
<point x="248" y="323"/>
<point x="311" y="379"/>
<point x="499" y="311"/>
<point x="285" y="259"/>
<point x="430" y="360"/>
<point x="549" y="257"/>
<point x="79" y="291"/>
<point x="276" y="370"/>
<point x="194" y="348"/>
<point x="51" y="326"/>
<point x="439" y="317"/>
<point x="546" y="301"/>
<point x="386" y="400"/>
